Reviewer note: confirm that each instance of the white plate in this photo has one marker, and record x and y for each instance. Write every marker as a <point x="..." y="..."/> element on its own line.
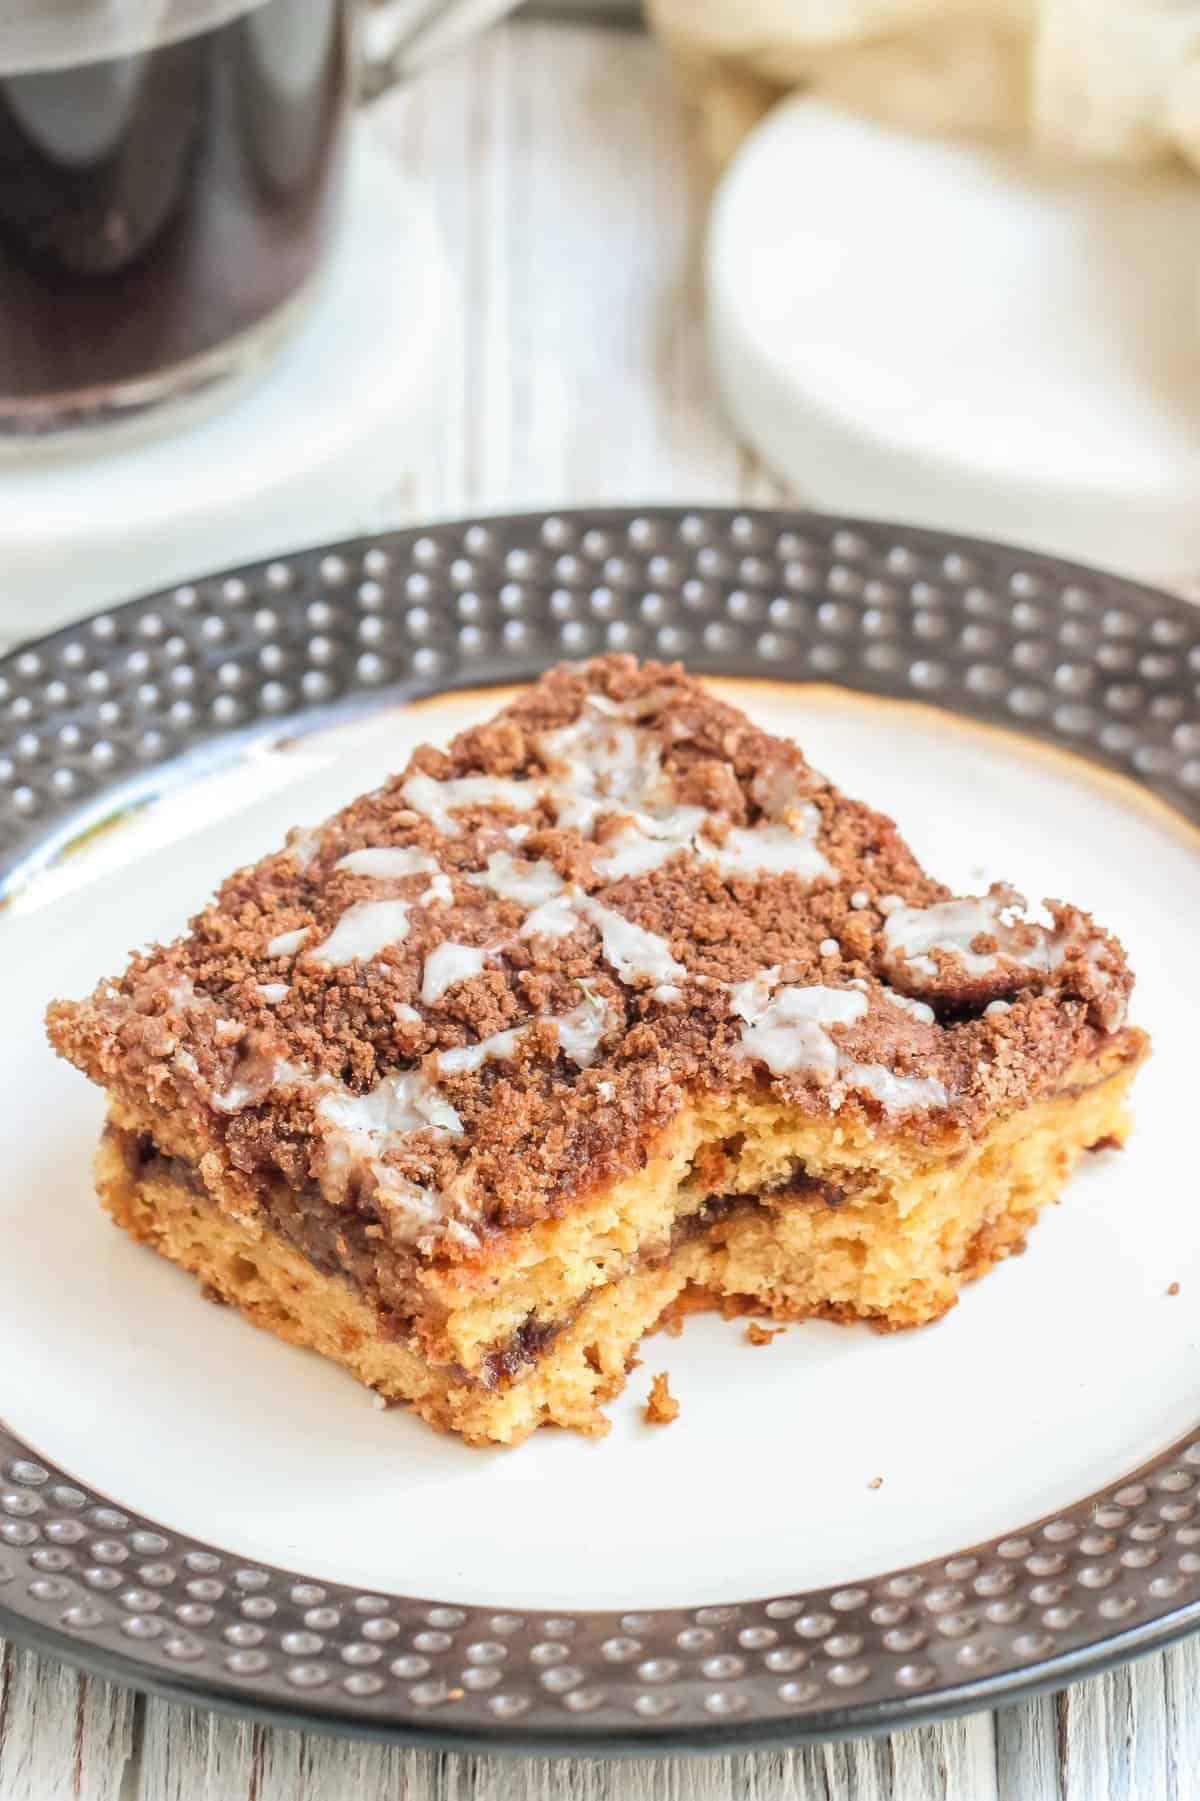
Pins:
<point x="1061" y="1370"/>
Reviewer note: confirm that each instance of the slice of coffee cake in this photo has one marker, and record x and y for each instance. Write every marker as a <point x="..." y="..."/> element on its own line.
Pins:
<point x="614" y="998"/>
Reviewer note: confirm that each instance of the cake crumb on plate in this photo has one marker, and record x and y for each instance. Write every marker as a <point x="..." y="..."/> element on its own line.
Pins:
<point x="756" y="1334"/>
<point x="661" y="1405"/>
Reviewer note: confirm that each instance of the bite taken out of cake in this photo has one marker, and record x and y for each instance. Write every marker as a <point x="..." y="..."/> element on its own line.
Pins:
<point x="614" y="1006"/>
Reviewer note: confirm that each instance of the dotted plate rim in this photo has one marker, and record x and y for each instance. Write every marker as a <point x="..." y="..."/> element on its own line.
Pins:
<point x="109" y="711"/>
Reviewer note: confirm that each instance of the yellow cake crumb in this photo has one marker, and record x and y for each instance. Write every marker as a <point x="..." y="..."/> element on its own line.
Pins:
<point x="756" y="1334"/>
<point x="661" y="1406"/>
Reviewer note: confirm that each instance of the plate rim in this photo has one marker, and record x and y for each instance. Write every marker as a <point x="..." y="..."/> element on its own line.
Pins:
<point x="47" y="810"/>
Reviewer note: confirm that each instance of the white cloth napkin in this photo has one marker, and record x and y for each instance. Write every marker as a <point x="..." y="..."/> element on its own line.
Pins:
<point x="1104" y="78"/>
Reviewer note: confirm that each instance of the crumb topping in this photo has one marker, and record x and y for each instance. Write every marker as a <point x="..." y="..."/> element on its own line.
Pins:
<point x="483" y="989"/>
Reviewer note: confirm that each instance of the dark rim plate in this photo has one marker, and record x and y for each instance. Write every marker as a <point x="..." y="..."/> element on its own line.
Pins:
<point x="120" y="707"/>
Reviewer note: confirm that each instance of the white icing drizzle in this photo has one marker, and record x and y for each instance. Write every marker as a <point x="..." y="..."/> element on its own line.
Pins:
<point x="747" y="999"/>
<point x="829" y="947"/>
<point x="393" y="862"/>
<point x="791" y="1031"/>
<point x="408" y="1102"/>
<point x="579" y="1034"/>
<point x="553" y="919"/>
<point x="302" y="847"/>
<point x="632" y="852"/>
<point x="952" y="926"/>
<point x="411" y="1210"/>
<point x="790" y="849"/>
<point x="611" y="709"/>
<point x="601" y="764"/>
<point x="458" y="1232"/>
<point x="409" y="1014"/>
<point x="859" y="899"/>
<point x="515" y="879"/>
<point x="778" y="792"/>
<point x="287" y="943"/>
<point x="634" y="953"/>
<point x="358" y="1128"/>
<point x="273" y="992"/>
<point x="915" y="1009"/>
<point x="448" y="964"/>
<point x="638" y="706"/>
<point x="599" y="751"/>
<point x="896" y="1094"/>
<point x="236" y="1097"/>
<point x="497" y="1049"/>
<point x="648" y="840"/>
<point x="439" y="800"/>
<point x="388" y="861"/>
<point x="362" y="932"/>
<point x="996" y="1007"/>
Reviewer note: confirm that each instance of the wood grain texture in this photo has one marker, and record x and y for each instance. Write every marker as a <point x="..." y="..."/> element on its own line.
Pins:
<point x="558" y="162"/>
<point x="63" y="1736"/>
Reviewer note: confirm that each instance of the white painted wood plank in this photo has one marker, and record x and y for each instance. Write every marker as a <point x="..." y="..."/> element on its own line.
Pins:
<point x="1112" y="1735"/>
<point x="1027" y="1762"/>
<point x="1132" y="1735"/>
<point x="956" y="1758"/>
<point x="191" y="1756"/>
<point x="571" y="215"/>
<point x="185" y="1754"/>
<point x="1181" y="1684"/>
<point x="63" y="1736"/>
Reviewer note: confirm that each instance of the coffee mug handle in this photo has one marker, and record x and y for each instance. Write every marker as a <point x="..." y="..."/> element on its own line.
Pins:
<point x="400" y="37"/>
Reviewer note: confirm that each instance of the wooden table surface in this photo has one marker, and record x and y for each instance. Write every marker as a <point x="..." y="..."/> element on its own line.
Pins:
<point x="571" y="210"/>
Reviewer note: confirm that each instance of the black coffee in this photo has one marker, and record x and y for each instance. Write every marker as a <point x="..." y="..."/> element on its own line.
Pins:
<point x="154" y="205"/>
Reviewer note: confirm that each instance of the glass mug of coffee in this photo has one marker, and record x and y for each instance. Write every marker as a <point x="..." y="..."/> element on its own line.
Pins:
<point x="169" y="176"/>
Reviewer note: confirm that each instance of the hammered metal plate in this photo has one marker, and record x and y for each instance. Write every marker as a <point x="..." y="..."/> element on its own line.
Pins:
<point x="122" y="706"/>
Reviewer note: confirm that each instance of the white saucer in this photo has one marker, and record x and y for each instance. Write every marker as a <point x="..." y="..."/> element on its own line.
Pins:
<point x="954" y="335"/>
<point x="319" y="445"/>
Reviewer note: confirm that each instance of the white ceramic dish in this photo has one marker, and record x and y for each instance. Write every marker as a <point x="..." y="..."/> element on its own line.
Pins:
<point x="962" y="334"/>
